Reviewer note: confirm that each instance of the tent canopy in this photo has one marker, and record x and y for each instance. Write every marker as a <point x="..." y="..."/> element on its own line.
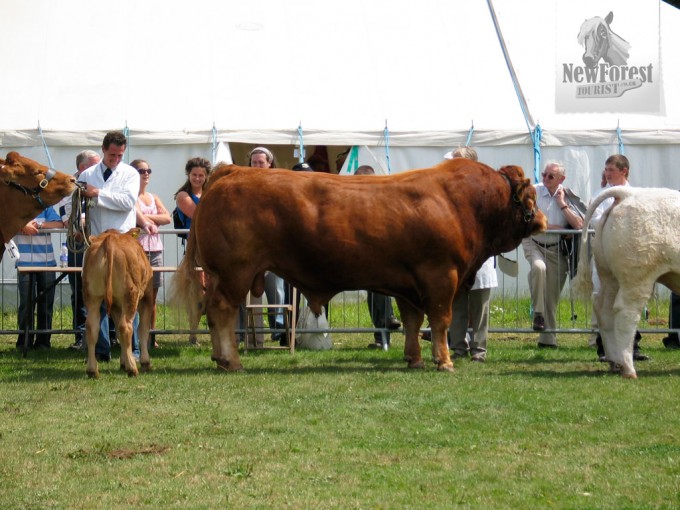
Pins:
<point x="342" y="70"/>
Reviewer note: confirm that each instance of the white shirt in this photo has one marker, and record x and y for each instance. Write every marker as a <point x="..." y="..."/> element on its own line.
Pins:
<point x="115" y="205"/>
<point x="606" y="204"/>
<point x="549" y="206"/>
<point x="486" y="276"/>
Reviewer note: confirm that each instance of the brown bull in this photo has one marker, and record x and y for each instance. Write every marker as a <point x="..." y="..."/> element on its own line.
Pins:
<point x="128" y="290"/>
<point x="417" y="236"/>
<point x="26" y="189"/>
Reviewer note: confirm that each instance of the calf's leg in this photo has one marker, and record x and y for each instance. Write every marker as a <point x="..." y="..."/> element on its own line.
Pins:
<point x="92" y="334"/>
<point x="124" y="323"/>
<point x="146" y="311"/>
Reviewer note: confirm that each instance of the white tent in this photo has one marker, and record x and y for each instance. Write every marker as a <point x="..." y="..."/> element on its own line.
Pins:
<point x="170" y="71"/>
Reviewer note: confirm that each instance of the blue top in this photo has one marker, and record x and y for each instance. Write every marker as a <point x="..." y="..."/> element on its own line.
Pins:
<point x="37" y="250"/>
<point x="185" y="219"/>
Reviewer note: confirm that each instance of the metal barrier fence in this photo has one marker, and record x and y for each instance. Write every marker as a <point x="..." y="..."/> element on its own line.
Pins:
<point x="348" y="313"/>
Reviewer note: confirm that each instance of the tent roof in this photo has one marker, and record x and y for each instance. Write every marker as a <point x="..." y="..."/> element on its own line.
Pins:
<point x="256" y="70"/>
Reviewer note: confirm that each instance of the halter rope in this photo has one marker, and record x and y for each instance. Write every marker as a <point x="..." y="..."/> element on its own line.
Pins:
<point x="78" y="229"/>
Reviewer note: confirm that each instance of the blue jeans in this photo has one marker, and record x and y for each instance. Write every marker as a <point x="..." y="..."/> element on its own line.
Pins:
<point x="104" y="342"/>
<point x="42" y="306"/>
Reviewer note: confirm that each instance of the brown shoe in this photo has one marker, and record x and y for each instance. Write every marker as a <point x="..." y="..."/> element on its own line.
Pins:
<point x="539" y="322"/>
<point x="393" y="323"/>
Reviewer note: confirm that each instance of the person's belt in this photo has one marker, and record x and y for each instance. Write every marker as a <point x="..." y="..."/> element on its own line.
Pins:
<point x="552" y="245"/>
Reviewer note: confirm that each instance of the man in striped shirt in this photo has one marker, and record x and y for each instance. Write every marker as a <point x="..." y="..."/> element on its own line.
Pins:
<point x="35" y="249"/>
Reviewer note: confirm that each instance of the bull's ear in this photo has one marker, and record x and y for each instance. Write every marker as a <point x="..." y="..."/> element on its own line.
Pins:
<point x="12" y="158"/>
<point x="609" y="18"/>
<point x="513" y="172"/>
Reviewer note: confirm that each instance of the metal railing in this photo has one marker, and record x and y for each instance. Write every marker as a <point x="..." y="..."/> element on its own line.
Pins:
<point x="510" y="303"/>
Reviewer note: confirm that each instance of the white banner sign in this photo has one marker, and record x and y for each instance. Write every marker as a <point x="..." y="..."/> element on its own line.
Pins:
<point x="608" y="57"/>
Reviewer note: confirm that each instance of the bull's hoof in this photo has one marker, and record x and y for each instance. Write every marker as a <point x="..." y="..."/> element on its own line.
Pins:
<point x="416" y="363"/>
<point x="445" y="367"/>
<point x="132" y="373"/>
<point x="146" y="367"/>
<point x="93" y="375"/>
<point x="225" y="365"/>
<point x="629" y="376"/>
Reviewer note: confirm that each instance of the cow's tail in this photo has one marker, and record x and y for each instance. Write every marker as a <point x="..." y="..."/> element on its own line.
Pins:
<point x="108" y="284"/>
<point x="187" y="289"/>
<point x="582" y="284"/>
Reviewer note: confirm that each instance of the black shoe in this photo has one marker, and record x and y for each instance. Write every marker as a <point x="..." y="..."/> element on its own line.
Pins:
<point x="638" y="356"/>
<point x="103" y="358"/>
<point x="393" y="323"/>
<point x="602" y="359"/>
<point x="42" y="347"/>
<point x="78" y="345"/>
<point x="375" y="345"/>
<point x="546" y="346"/>
<point x="539" y="323"/>
<point x="672" y="341"/>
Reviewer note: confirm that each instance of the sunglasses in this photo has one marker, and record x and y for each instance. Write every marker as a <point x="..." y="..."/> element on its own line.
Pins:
<point x="549" y="176"/>
<point x="142" y="172"/>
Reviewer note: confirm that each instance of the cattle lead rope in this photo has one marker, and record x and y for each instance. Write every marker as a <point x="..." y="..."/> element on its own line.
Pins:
<point x="77" y="229"/>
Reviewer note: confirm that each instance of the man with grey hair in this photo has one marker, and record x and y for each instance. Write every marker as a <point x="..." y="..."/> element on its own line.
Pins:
<point x="547" y="264"/>
<point x="84" y="159"/>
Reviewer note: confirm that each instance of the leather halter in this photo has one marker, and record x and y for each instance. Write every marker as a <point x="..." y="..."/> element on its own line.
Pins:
<point x="35" y="192"/>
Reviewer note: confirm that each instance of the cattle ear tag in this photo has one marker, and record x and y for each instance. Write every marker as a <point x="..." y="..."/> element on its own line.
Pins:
<point x="135" y="232"/>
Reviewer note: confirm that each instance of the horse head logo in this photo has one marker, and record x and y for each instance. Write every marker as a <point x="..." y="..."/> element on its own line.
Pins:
<point x="601" y="43"/>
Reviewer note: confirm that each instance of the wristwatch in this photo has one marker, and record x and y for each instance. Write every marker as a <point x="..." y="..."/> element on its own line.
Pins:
<point x="38" y="224"/>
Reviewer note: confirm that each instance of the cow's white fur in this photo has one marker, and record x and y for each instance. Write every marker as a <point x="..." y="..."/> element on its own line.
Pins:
<point x="636" y="243"/>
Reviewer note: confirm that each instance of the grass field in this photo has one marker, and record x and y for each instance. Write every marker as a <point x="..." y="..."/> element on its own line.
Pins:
<point x="347" y="428"/>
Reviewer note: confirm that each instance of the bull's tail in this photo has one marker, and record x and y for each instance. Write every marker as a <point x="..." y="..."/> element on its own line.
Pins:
<point x="582" y="284"/>
<point x="108" y="284"/>
<point x="186" y="290"/>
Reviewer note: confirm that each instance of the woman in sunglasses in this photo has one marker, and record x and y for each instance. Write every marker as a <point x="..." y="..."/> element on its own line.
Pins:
<point x="150" y="209"/>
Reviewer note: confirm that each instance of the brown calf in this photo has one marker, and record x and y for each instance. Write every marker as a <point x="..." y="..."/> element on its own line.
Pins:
<point x="117" y="272"/>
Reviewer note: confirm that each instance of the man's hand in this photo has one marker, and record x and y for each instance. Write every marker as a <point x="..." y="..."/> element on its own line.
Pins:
<point x="91" y="191"/>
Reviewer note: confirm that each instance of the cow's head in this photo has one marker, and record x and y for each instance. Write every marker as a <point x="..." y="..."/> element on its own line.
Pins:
<point x="524" y="200"/>
<point x="44" y="185"/>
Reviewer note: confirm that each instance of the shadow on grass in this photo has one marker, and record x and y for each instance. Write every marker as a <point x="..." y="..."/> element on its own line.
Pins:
<point x="64" y="364"/>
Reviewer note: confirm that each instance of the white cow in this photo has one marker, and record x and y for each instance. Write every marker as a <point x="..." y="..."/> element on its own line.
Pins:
<point x="637" y="243"/>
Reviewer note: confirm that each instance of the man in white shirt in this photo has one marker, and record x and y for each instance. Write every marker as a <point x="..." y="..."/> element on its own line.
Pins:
<point x="548" y="266"/>
<point x="114" y="187"/>
<point x="616" y="171"/>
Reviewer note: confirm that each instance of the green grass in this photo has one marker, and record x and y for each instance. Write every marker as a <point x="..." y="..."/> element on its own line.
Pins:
<point x="347" y="428"/>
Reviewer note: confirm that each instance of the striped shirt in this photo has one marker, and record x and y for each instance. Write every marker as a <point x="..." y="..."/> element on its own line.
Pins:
<point x="37" y="250"/>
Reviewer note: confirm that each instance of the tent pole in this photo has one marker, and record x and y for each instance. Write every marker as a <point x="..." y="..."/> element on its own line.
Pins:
<point x="301" y="155"/>
<point x="47" y="150"/>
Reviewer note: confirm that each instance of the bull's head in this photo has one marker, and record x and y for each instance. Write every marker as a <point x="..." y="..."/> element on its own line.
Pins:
<point x="524" y="199"/>
<point x="45" y="185"/>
